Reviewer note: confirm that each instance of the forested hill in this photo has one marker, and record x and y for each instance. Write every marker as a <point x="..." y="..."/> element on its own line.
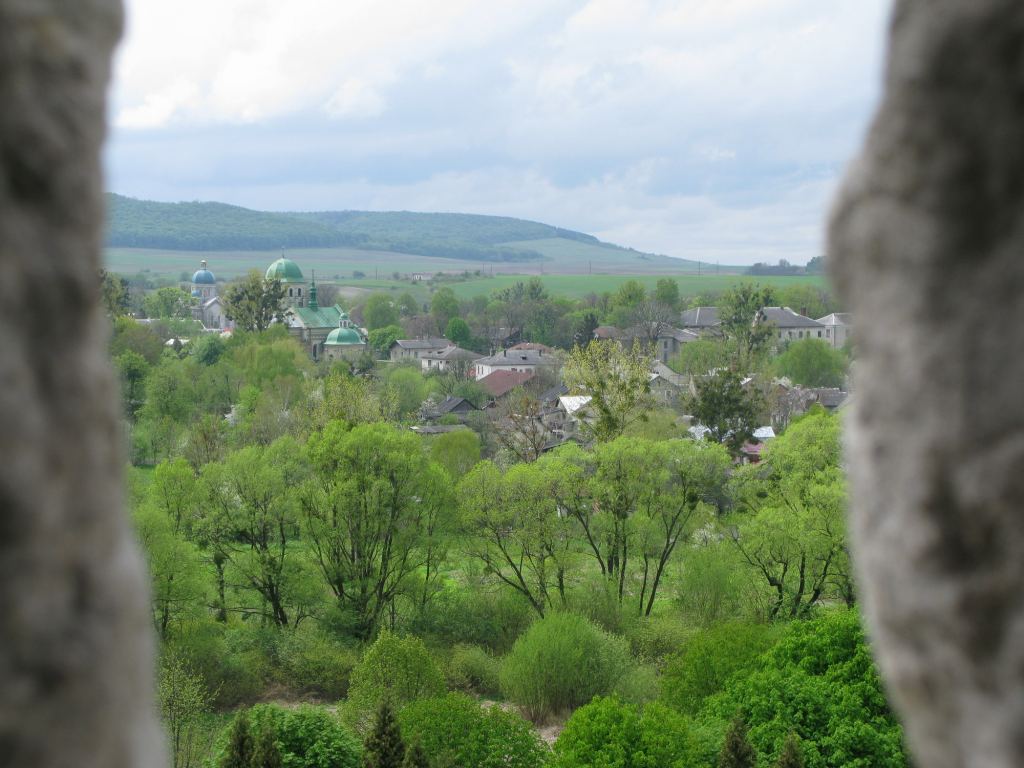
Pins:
<point x="219" y="227"/>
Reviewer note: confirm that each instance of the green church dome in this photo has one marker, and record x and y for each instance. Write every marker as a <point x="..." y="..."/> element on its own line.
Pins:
<point x="343" y="337"/>
<point x="285" y="270"/>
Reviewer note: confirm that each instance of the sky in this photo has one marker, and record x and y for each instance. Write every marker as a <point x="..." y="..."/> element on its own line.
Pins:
<point x="708" y="129"/>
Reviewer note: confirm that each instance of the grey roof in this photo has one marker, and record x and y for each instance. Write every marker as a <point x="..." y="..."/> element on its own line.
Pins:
<point x="663" y="332"/>
<point x="423" y="343"/>
<point x="554" y="393"/>
<point x="784" y="317"/>
<point x="449" y="353"/>
<point x="439" y="429"/>
<point x="518" y="357"/>
<point x="449" y="404"/>
<point x="837" y="318"/>
<point x="829" y="397"/>
<point x="701" y="317"/>
<point x="661" y="370"/>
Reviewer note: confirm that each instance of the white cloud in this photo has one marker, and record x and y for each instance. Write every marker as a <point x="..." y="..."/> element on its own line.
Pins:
<point x="680" y="126"/>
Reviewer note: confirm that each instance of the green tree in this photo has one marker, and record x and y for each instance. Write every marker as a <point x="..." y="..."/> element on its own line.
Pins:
<point x="812" y="363"/>
<point x="379" y="312"/>
<point x="254" y="302"/>
<point x="630" y="294"/>
<point x="133" y="369"/>
<point x="789" y="527"/>
<point x="169" y="302"/>
<point x="443" y="307"/>
<point x="398" y="670"/>
<point x="239" y="751"/>
<point x="374" y="512"/>
<point x="251" y="522"/>
<point x="457" y="732"/>
<point x="407" y="305"/>
<point x="384" y="747"/>
<point x="819" y="684"/>
<point x="266" y="753"/>
<point x="458" y="452"/>
<point x="698" y="358"/>
<point x="583" y="329"/>
<point x="737" y="751"/>
<point x="791" y="756"/>
<point x="113" y="293"/>
<point x="184" y="702"/>
<point x="726" y="408"/>
<point x="560" y="663"/>
<point x="511" y="524"/>
<point x="415" y="757"/>
<point x="381" y="339"/>
<point x="737" y="310"/>
<point x="457" y="332"/>
<point x="666" y="292"/>
<point x="617" y="379"/>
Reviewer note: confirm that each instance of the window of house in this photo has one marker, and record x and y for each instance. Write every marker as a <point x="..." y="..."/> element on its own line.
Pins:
<point x="290" y="292"/>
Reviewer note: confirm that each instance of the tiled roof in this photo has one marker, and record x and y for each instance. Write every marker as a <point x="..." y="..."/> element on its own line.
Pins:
<point x="322" y="317"/>
<point x="500" y="383"/>
<point x="423" y="343"/>
<point x="784" y="317"/>
<point x="449" y="353"/>
<point x="517" y="357"/>
<point x="701" y="317"/>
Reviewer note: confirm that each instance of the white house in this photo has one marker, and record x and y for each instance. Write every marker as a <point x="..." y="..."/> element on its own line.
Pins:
<point x="512" y="360"/>
<point x="838" y="327"/>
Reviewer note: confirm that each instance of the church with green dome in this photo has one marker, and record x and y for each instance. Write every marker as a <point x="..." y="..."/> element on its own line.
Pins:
<point x="327" y="332"/>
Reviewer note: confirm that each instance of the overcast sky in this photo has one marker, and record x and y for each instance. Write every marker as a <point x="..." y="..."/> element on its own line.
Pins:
<point x="711" y="129"/>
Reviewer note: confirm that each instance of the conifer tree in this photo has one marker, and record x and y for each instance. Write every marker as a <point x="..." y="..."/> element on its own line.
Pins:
<point x="265" y="753"/>
<point x="415" y="757"/>
<point x="737" y="751"/>
<point x="791" y="756"/>
<point x="240" y="748"/>
<point x="384" y="747"/>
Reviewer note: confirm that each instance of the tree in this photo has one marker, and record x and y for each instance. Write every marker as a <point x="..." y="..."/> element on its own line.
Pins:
<point x="512" y="526"/>
<point x="701" y="357"/>
<point x="736" y="751"/>
<point x="443" y="307"/>
<point x="666" y="292"/>
<point x="113" y="293"/>
<point x="407" y="305"/>
<point x="384" y="747"/>
<point x="241" y="746"/>
<point x="169" y="302"/>
<point x="457" y="332"/>
<point x="380" y="312"/>
<point x="266" y="753"/>
<point x="381" y="339"/>
<point x="133" y="369"/>
<point x="617" y="380"/>
<point x="415" y="757"/>
<point x="254" y="302"/>
<point x="726" y="408"/>
<point x="375" y="511"/>
<point x="812" y="363"/>
<point x="789" y="526"/>
<point x="737" y="311"/>
<point x="583" y="329"/>
<point x="518" y="422"/>
<point x="184" y="701"/>
<point x="251" y="522"/>
<point x="630" y="294"/>
<point x="791" y="756"/>
<point x="458" y="452"/>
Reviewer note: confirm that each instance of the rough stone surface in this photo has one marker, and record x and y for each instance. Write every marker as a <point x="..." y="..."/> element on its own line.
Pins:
<point x="75" y="650"/>
<point x="927" y="240"/>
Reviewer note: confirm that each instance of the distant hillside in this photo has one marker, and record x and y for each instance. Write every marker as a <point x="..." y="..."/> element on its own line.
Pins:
<point x="219" y="227"/>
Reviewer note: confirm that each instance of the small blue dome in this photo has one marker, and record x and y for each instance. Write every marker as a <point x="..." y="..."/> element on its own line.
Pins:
<point x="203" y="276"/>
<point x="196" y="293"/>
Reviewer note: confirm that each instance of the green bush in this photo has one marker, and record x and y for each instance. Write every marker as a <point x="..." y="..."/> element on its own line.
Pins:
<point x="639" y="684"/>
<point x="399" y="669"/>
<point x="456" y="732"/>
<point x="562" y="662"/>
<point x="474" y="670"/>
<point x="820" y="684"/>
<point x="472" y="615"/>
<point x="234" y="661"/>
<point x="306" y="737"/>
<point x="710" y="658"/>
<point x="612" y="734"/>
<point x="657" y="638"/>
<point x="313" y="662"/>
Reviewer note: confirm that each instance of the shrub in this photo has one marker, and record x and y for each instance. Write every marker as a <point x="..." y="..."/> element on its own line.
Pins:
<point x="639" y="684"/>
<point x="656" y="638"/>
<point x="307" y="737"/>
<point x="473" y="669"/>
<point x="819" y="684"/>
<point x="562" y="662"/>
<point x="399" y="669"/>
<point x="612" y="734"/>
<point x="313" y="662"/>
<point x="458" y="733"/>
<point x="475" y="616"/>
<point x="709" y="660"/>
<point x="234" y="662"/>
